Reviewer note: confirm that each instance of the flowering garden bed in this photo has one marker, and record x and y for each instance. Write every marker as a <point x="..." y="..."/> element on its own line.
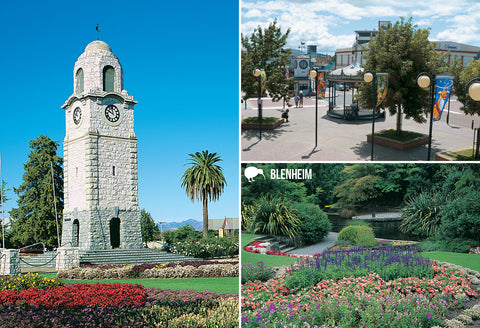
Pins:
<point x="389" y="287"/>
<point x="188" y="269"/>
<point x="55" y="304"/>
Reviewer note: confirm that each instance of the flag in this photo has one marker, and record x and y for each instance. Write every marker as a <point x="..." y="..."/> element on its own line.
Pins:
<point x="321" y="84"/>
<point x="287" y="73"/>
<point x="263" y="77"/>
<point x="443" y="88"/>
<point x="382" y="87"/>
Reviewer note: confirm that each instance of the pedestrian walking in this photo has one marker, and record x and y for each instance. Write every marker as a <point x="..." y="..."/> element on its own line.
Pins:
<point x="296" y="100"/>
<point x="301" y="99"/>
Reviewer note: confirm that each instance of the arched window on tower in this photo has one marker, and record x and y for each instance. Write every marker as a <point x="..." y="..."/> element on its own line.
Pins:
<point x="79" y="81"/>
<point x="108" y="78"/>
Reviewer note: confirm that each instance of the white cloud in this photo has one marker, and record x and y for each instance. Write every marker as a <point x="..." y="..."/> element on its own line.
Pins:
<point x="331" y="23"/>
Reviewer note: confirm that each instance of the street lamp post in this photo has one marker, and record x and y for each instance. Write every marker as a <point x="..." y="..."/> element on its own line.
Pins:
<point x="313" y="75"/>
<point x="473" y="91"/>
<point x="257" y="73"/>
<point x="425" y="80"/>
<point x="368" y="77"/>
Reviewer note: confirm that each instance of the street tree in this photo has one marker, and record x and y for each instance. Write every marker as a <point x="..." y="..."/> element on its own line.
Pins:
<point x="403" y="51"/>
<point x="204" y="181"/>
<point x="149" y="229"/>
<point x="34" y="220"/>
<point x="461" y="78"/>
<point x="264" y="49"/>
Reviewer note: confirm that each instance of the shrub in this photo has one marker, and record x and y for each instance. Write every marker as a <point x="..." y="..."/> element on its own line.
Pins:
<point x="460" y="219"/>
<point x="275" y="217"/>
<point x="208" y="247"/>
<point x="352" y="232"/>
<point x="260" y="271"/>
<point x="314" y="223"/>
<point x="365" y="238"/>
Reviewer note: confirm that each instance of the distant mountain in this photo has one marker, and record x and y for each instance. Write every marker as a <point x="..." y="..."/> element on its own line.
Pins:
<point x="175" y="225"/>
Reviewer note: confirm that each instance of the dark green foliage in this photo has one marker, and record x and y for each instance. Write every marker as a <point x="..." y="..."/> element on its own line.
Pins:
<point x="403" y="51"/>
<point x="314" y="223"/>
<point x="186" y="232"/>
<point x="461" y="218"/>
<point x="274" y="217"/>
<point x="421" y="214"/>
<point x="150" y="230"/>
<point x="34" y="219"/>
<point x="264" y="50"/>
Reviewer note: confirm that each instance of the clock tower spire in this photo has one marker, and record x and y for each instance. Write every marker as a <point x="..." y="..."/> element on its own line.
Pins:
<point x="100" y="156"/>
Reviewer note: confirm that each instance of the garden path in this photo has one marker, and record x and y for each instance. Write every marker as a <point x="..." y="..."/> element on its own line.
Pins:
<point x="319" y="247"/>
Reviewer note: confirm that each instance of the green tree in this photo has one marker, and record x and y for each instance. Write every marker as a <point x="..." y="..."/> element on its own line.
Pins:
<point x="204" y="181"/>
<point x="461" y="78"/>
<point x="264" y="50"/>
<point x="314" y="223"/>
<point x="403" y="51"/>
<point x="149" y="228"/>
<point x="34" y="219"/>
<point x="3" y="194"/>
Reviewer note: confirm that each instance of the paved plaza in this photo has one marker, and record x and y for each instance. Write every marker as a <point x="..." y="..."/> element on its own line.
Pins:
<point x="341" y="140"/>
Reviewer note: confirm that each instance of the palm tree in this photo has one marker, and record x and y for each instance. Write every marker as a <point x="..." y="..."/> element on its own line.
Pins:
<point x="204" y="181"/>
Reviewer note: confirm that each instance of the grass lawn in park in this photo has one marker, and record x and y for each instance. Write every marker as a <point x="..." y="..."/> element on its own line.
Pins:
<point x="216" y="285"/>
<point x="269" y="260"/>
<point x="471" y="261"/>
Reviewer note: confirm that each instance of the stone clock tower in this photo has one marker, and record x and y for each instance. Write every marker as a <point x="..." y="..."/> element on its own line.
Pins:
<point x="100" y="156"/>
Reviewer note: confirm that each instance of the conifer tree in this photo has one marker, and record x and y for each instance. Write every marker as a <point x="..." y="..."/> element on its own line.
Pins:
<point x="33" y="220"/>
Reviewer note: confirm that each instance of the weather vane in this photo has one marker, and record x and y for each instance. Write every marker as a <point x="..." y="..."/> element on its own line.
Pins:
<point x="98" y="31"/>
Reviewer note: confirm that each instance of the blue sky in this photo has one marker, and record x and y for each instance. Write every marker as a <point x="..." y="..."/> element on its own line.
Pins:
<point x="180" y="61"/>
<point x="331" y="24"/>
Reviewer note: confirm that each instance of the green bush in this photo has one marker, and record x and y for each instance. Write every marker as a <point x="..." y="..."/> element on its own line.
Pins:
<point x="457" y="245"/>
<point x="365" y="239"/>
<point x="314" y="222"/>
<point x="207" y="247"/>
<point x="352" y="232"/>
<point x="428" y="246"/>
<point x="460" y="219"/>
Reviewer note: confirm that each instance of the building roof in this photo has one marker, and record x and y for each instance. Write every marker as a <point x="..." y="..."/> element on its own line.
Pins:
<point x="217" y="224"/>
<point x="97" y="45"/>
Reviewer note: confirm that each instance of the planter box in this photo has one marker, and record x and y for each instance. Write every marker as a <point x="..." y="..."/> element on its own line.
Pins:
<point x="444" y="156"/>
<point x="400" y="145"/>
<point x="256" y="126"/>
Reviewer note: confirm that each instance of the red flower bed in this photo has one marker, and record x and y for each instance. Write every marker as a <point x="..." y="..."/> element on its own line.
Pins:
<point x="254" y="247"/>
<point x="78" y="295"/>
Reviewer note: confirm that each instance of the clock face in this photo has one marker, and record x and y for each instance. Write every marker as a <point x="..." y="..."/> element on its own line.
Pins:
<point x="77" y="115"/>
<point x="303" y="64"/>
<point x="112" y="113"/>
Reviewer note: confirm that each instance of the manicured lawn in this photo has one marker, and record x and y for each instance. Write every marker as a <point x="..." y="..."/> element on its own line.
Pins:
<point x="269" y="260"/>
<point x="216" y="285"/>
<point x="471" y="261"/>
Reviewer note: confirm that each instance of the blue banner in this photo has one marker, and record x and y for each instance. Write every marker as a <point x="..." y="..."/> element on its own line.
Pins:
<point x="443" y="88"/>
